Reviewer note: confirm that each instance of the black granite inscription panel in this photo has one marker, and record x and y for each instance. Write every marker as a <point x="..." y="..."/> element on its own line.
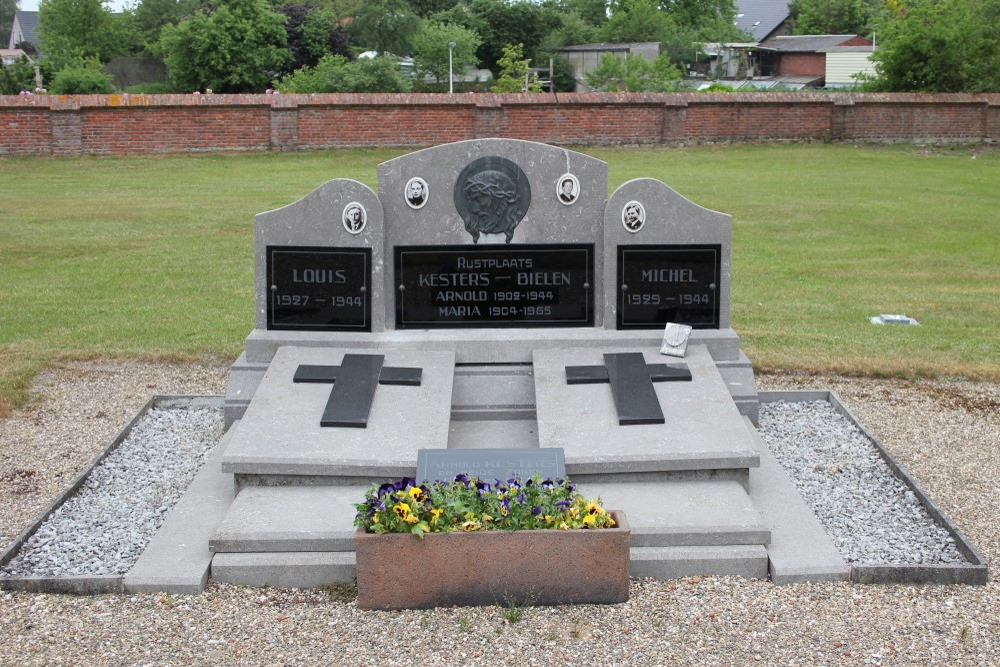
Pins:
<point x="319" y="289"/>
<point x="669" y="283"/>
<point x="504" y="286"/>
<point x="441" y="465"/>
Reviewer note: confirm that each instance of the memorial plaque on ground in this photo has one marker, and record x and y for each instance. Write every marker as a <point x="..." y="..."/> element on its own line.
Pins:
<point x="668" y="283"/>
<point x="318" y="289"/>
<point x="522" y="286"/>
<point x="442" y="465"/>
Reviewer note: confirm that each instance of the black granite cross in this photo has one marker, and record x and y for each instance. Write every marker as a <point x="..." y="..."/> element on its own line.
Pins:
<point x="631" y="384"/>
<point x="354" y="383"/>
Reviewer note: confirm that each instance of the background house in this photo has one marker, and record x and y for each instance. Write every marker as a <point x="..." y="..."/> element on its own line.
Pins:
<point x="808" y="56"/>
<point x="583" y="58"/>
<point x="25" y="29"/>
<point x="763" y="19"/>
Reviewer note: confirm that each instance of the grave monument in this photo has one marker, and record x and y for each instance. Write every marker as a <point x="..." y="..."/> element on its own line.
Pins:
<point x="491" y="310"/>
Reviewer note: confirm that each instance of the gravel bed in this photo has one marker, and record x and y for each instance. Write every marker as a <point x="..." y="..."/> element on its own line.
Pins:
<point x="105" y="526"/>
<point x="872" y="517"/>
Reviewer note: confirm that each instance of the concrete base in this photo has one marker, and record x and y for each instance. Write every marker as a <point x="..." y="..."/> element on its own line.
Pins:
<point x="284" y="570"/>
<point x="748" y="561"/>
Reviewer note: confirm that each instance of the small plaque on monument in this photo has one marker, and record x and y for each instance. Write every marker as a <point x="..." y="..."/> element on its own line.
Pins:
<point x="318" y="289"/>
<point x="668" y="283"/>
<point x="441" y="465"/>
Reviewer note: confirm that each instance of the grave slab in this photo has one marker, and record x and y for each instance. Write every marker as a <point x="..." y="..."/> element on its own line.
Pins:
<point x="703" y="429"/>
<point x="684" y="513"/>
<point x="280" y="433"/>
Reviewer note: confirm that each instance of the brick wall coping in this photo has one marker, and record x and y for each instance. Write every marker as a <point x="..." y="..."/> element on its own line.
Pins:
<point x="76" y="102"/>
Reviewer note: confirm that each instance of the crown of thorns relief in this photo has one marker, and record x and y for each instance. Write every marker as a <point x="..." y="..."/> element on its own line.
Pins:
<point x="492" y="194"/>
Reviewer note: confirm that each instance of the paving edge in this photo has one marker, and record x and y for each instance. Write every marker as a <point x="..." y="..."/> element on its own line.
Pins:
<point x="89" y="584"/>
<point x="974" y="573"/>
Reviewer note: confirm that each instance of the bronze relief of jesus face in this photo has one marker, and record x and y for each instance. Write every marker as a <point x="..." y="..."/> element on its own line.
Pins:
<point x="492" y="195"/>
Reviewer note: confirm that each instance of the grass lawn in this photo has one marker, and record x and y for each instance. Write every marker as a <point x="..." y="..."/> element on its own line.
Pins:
<point x="152" y="257"/>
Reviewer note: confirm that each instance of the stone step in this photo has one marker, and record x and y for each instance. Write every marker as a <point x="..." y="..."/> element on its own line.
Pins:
<point x="312" y="569"/>
<point x="320" y="518"/>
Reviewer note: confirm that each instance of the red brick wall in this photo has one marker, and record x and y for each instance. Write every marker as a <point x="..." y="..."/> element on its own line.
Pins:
<point x="122" y="124"/>
<point x="802" y="64"/>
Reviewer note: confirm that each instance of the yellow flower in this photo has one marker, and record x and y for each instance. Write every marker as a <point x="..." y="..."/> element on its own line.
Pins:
<point x="469" y="526"/>
<point x="588" y="521"/>
<point x="470" y="515"/>
<point x="564" y="526"/>
<point x="549" y="519"/>
<point x="417" y="495"/>
<point x="487" y="518"/>
<point x="435" y="513"/>
<point x="594" y="508"/>
<point x="409" y="518"/>
<point x="402" y="510"/>
<point x="375" y="519"/>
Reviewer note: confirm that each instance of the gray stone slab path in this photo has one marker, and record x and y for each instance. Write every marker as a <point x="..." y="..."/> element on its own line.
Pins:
<point x="177" y="559"/>
<point x="800" y="549"/>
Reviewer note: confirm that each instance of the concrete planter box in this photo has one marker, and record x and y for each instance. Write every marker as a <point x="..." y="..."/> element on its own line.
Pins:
<point x="538" y="567"/>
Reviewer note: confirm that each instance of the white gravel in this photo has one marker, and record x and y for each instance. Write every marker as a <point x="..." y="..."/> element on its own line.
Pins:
<point x="945" y="433"/>
<point x="872" y="516"/>
<point x="105" y="526"/>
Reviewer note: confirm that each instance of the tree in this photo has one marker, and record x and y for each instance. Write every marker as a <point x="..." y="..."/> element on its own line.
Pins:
<point x="940" y="46"/>
<point x="834" y="17"/>
<point x="633" y="73"/>
<point x="638" y="21"/>
<point x="152" y="15"/>
<point x="17" y="76"/>
<point x="7" y="9"/>
<point x="335" y="74"/>
<point x="430" y="49"/>
<point x="237" y="48"/>
<point x="73" y="31"/>
<point x="312" y="33"/>
<point x="514" y="72"/>
<point x="500" y="23"/>
<point x="386" y="26"/>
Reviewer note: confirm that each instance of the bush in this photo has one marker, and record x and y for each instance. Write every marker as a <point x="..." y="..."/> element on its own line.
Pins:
<point x="335" y="74"/>
<point x="16" y="77"/>
<point x="81" y="81"/>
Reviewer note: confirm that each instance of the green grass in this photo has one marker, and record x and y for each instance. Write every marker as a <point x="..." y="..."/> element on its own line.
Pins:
<point x="152" y="257"/>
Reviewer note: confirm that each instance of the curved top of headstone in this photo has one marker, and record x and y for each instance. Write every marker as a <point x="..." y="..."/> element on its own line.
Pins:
<point x="520" y="179"/>
<point x="341" y="213"/>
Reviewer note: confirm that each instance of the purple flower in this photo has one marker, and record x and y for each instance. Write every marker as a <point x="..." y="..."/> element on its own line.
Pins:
<point x="405" y="483"/>
<point x="463" y="478"/>
<point x="536" y="511"/>
<point x="563" y="503"/>
<point x="386" y="489"/>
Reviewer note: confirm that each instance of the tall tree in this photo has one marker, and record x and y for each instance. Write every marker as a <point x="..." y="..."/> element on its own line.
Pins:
<point x="385" y="26"/>
<point x="940" y="46"/>
<point x="7" y="9"/>
<point x="237" y="48"/>
<point x="431" y="51"/>
<point x="638" y="21"/>
<point x="73" y="31"/>
<point x="835" y="17"/>
<point x="312" y="34"/>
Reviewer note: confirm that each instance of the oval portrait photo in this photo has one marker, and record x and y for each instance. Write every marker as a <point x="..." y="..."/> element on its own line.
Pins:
<point x="416" y="192"/>
<point x="633" y="216"/>
<point x="355" y="217"/>
<point x="567" y="189"/>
